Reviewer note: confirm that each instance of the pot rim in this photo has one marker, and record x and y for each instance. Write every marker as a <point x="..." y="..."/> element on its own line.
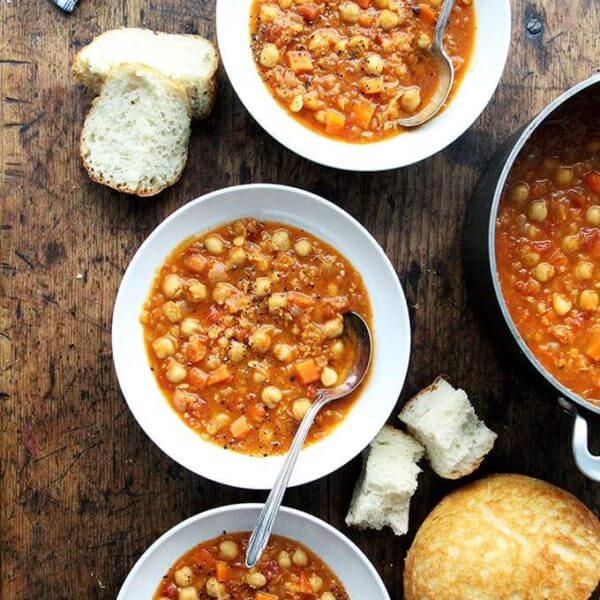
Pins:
<point x="508" y="165"/>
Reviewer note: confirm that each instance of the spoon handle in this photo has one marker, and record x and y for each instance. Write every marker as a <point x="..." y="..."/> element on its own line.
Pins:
<point x="262" y="532"/>
<point x="440" y="28"/>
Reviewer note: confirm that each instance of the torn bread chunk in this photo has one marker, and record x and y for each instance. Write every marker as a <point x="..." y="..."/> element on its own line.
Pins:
<point x="444" y="421"/>
<point x="387" y="483"/>
<point x="186" y="60"/>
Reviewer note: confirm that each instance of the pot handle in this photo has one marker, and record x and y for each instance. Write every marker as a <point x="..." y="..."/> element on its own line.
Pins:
<point x="586" y="462"/>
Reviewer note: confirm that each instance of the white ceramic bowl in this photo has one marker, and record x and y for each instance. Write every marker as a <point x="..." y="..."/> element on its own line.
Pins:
<point x="474" y="93"/>
<point x="350" y="565"/>
<point x="391" y="332"/>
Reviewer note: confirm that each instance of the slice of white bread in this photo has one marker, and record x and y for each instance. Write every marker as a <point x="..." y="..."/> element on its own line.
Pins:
<point x="188" y="60"/>
<point x="387" y="483"/>
<point x="444" y="421"/>
<point x="135" y="137"/>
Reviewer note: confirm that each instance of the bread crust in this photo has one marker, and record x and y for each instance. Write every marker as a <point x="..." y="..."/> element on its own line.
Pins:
<point x="505" y="537"/>
<point x="202" y="96"/>
<point x="84" y="152"/>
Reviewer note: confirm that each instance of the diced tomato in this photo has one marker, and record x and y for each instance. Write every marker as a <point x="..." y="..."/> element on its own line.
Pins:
<point x="299" y="299"/>
<point x="542" y="247"/>
<point x="427" y="13"/>
<point x="592" y="180"/>
<point x="577" y="197"/>
<point x="271" y="569"/>
<point x="219" y="375"/>
<point x="364" y="3"/>
<point x="198" y="378"/>
<point x="304" y="584"/>
<point x="204" y="559"/>
<point x="169" y="591"/>
<point x="557" y="258"/>
<point x="308" y="13"/>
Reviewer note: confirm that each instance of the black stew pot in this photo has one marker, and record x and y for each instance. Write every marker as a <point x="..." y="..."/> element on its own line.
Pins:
<point x="480" y="265"/>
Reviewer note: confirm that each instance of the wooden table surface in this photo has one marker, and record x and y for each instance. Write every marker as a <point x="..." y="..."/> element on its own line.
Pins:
<point x="84" y="491"/>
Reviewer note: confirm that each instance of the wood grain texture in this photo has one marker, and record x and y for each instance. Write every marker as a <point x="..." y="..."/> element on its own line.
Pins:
<point x="84" y="492"/>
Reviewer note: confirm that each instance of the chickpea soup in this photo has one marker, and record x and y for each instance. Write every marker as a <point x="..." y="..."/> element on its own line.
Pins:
<point x="287" y="570"/>
<point x="351" y="68"/>
<point x="548" y="247"/>
<point x="242" y="326"/>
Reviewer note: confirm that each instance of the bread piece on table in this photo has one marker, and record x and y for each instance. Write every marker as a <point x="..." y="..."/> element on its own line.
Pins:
<point x="444" y="421"/>
<point x="506" y="537"/>
<point x="135" y="137"/>
<point x="388" y="481"/>
<point x="188" y="60"/>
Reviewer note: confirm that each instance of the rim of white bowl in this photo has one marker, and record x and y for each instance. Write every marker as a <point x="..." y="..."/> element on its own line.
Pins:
<point x="253" y="506"/>
<point x="258" y="472"/>
<point x="476" y="89"/>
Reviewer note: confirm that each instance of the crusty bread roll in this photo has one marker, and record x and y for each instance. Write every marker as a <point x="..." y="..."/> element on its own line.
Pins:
<point x="135" y="137"/>
<point x="187" y="60"/>
<point x="506" y="537"/>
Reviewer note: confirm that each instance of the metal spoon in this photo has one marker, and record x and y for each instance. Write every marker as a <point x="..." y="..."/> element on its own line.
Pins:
<point x="445" y="71"/>
<point x="356" y="328"/>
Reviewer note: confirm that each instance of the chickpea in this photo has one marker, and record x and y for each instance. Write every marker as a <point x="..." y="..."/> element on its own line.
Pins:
<point x="172" y="311"/>
<point x="172" y="286"/>
<point x="592" y="215"/>
<point x="262" y="286"/>
<point x="198" y="291"/>
<point x="358" y="44"/>
<point x="214" y="244"/>
<point x="570" y="243"/>
<point x="239" y="241"/>
<point x="373" y="64"/>
<point x="531" y="259"/>
<point x="237" y="351"/>
<point x="589" y="300"/>
<point x="176" y="372"/>
<point x="222" y="291"/>
<point x="260" y="340"/>
<point x="190" y="326"/>
<point x="256" y="580"/>
<point x="269" y="56"/>
<point x="163" y="347"/>
<point x="184" y="577"/>
<point x="350" y="12"/>
<point x="281" y="241"/>
<point x="228" y="550"/>
<point x="337" y="349"/>
<point x="303" y="247"/>
<point x="299" y="557"/>
<point x="300" y="408"/>
<point x="283" y="352"/>
<point x="388" y="19"/>
<point x="276" y="301"/>
<point x="284" y="560"/>
<point x="238" y="258"/>
<point x="329" y="377"/>
<point x="318" y="43"/>
<point x="538" y="211"/>
<point x="563" y="176"/>
<point x="584" y="270"/>
<point x="217" y="272"/>
<point x="217" y="423"/>
<point x="188" y="593"/>
<point x="334" y="328"/>
<point x="519" y="193"/>
<point x="561" y="304"/>
<point x="327" y="596"/>
<point x="268" y="12"/>
<point x="271" y="396"/>
<point x="316" y="583"/>
<point x="411" y="99"/>
<point x="544" y="272"/>
<point x="195" y="262"/>
<point x="213" y="588"/>
<point x="259" y="376"/>
<point x="424" y="41"/>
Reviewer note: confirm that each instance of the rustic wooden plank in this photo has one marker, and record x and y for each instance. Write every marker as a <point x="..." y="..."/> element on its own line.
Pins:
<point x="84" y="492"/>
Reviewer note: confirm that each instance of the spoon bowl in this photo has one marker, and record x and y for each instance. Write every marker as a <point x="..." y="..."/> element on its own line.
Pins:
<point x="445" y="72"/>
<point x="355" y="328"/>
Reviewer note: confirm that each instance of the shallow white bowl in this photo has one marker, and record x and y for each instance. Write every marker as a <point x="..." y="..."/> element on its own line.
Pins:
<point x="391" y="332"/>
<point x="476" y="89"/>
<point x="349" y="564"/>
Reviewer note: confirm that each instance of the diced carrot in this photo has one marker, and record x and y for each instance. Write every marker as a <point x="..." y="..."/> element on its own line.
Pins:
<point x="265" y="596"/>
<point x="219" y="375"/>
<point x="300" y="61"/>
<point x="308" y="13"/>
<point x="240" y="427"/>
<point x="307" y="371"/>
<point x="427" y="13"/>
<point x="593" y="349"/>
<point x="364" y="3"/>
<point x="222" y="571"/>
<point x="372" y="85"/>
<point x="335" y="121"/>
<point x="363" y="113"/>
<point x="198" y="378"/>
<point x="592" y="180"/>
